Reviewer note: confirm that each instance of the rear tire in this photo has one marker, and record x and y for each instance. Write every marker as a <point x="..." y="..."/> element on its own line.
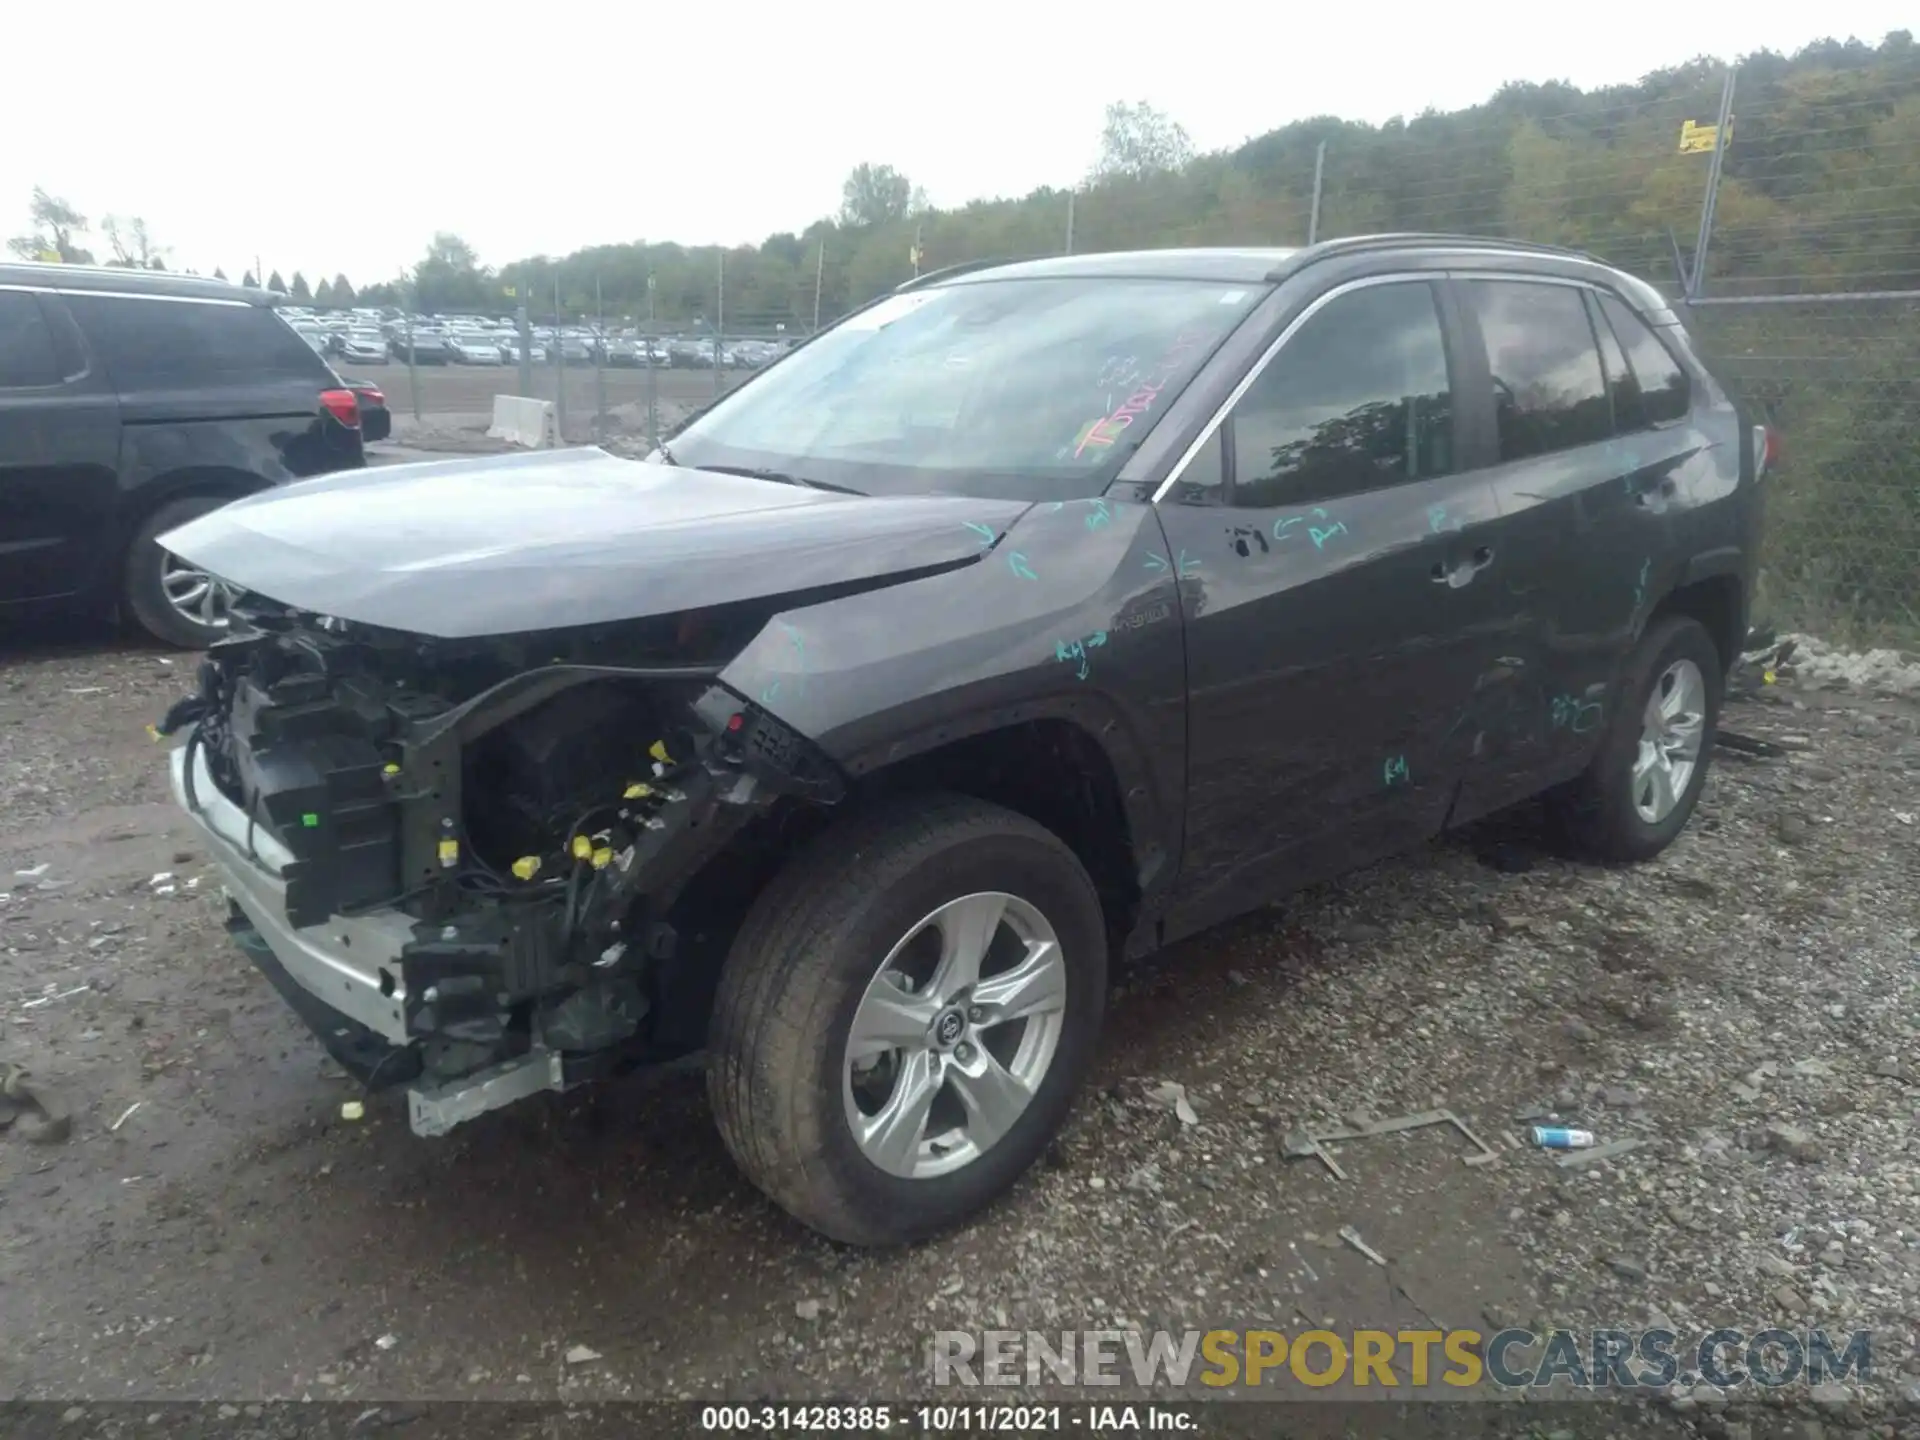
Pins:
<point x="144" y="578"/>
<point x="803" y="1099"/>
<point x="1631" y="804"/>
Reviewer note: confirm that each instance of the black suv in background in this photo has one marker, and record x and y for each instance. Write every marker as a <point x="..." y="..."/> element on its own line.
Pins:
<point x="1028" y="619"/>
<point x="130" y="403"/>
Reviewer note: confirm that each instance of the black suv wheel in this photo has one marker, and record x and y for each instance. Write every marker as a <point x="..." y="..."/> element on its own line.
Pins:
<point x="904" y="1018"/>
<point x="167" y="597"/>
<point x="1639" y="792"/>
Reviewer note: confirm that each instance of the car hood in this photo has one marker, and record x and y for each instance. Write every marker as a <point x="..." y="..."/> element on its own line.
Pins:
<point x="499" y="545"/>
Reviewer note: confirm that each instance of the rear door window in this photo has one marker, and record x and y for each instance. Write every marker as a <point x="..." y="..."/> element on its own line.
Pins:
<point x="1548" y="390"/>
<point x="169" y="344"/>
<point x="26" y="345"/>
<point x="1662" y="383"/>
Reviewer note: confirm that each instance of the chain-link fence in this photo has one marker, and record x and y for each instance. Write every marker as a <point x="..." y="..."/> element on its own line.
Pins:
<point x="1838" y="377"/>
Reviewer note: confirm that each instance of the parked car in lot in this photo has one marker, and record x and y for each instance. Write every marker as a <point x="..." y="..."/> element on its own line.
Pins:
<point x="361" y="347"/>
<point x="422" y="346"/>
<point x="473" y="350"/>
<point x="1190" y="578"/>
<point x="131" y="402"/>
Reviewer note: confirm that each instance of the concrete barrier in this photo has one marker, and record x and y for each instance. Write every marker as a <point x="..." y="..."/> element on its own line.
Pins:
<point x="523" y="421"/>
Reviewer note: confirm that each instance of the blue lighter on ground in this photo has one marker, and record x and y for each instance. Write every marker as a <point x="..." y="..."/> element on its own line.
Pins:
<point x="1556" y="1137"/>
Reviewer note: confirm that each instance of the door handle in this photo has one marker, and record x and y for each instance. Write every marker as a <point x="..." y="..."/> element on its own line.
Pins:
<point x="1460" y="572"/>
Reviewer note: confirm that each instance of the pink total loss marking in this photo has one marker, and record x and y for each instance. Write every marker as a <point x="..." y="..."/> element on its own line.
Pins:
<point x="1107" y="429"/>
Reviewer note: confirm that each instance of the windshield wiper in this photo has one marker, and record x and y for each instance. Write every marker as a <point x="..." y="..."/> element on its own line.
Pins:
<point x="778" y="477"/>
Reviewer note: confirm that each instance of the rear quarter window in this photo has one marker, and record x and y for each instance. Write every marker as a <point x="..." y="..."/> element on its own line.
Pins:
<point x="170" y="344"/>
<point x="1664" y="393"/>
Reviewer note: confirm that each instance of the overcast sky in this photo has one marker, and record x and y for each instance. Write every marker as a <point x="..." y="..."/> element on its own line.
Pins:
<point x="339" y="138"/>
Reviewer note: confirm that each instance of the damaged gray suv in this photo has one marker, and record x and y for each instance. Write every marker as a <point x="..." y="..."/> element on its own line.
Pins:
<point x="1029" y="619"/>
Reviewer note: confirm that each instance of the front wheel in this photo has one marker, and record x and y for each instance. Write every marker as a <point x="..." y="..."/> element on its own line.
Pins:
<point x="1639" y="792"/>
<point x="904" y="1018"/>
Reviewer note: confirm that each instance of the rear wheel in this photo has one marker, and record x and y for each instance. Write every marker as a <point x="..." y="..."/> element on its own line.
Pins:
<point x="169" y="598"/>
<point x="1640" y="791"/>
<point x="905" y="1016"/>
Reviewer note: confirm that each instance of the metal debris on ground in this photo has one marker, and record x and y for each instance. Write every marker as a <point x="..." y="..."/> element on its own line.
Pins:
<point x="1174" y="1097"/>
<point x="31" y="1110"/>
<point x="49" y="999"/>
<point x="352" y="1110"/>
<point x="1300" y="1144"/>
<point x="1352" y="1237"/>
<point x="1598" y="1152"/>
<point x="581" y="1355"/>
<point x="126" y="1115"/>
<point x="1750" y="744"/>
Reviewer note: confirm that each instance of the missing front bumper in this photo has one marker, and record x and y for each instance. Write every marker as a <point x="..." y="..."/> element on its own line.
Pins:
<point x="341" y="978"/>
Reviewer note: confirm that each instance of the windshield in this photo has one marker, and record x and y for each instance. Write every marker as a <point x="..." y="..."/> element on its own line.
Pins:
<point x="1017" y="389"/>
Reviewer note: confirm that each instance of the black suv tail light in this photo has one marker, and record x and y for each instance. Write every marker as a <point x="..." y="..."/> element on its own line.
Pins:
<point x="343" y="405"/>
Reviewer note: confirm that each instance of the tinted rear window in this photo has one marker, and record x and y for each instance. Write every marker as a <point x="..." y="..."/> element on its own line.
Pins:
<point x="1549" y="393"/>
<point x="26" y="345"/>
<point x="1662" y="383"/>
<point x="170" y="344"/>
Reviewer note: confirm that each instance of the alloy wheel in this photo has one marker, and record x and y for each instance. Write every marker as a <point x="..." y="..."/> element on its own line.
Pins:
<point x="954" y="1035"/>
<point x="1672" y="728"/>
<point x="195" y="594"/>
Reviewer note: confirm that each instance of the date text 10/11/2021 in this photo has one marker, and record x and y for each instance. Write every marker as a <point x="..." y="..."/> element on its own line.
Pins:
<point x="1086" y="1419"/>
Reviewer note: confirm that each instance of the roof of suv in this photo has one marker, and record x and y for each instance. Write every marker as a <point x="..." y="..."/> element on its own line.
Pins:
<point x="128" y="282"/>
<point x="1263" y="265"/>
<point x="1247" y="265"/>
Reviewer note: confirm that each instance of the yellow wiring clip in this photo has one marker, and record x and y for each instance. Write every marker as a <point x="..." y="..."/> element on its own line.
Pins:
<point x="637" y="791"/>
<point x="526" y="867"/>
<point x="602" y="858"/>
<point x="1769" y="677"/>
<point x="154" y="731"/>
<point x="582" y="847"/>
<point x="389" y="769"/>
<point x="658" y="750"/>
<point x="449" y="852"/>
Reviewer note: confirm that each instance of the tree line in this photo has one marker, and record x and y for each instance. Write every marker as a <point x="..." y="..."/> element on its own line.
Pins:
<point x="1820" y="183"/>
<point x="1820" y="195"/>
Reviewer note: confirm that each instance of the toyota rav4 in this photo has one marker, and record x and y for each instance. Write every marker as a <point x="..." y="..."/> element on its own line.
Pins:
<point x="1025" y="621"/>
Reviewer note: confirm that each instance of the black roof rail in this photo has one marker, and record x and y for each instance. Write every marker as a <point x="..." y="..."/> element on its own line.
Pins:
<point x="948" y="272"/>
<point x="1438" y="239"/>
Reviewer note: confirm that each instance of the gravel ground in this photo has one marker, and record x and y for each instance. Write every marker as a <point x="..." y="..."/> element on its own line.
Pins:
<point x="1748" y="1006"/>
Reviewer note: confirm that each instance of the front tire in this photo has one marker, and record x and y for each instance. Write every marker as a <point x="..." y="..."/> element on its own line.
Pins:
<point x="166" y="597"/>
<point x="904" y="1017"/>
<point x="1638" y="794"/>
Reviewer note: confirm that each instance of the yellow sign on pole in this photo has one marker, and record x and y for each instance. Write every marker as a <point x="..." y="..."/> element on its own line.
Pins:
<point x="1699" y="139"/>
